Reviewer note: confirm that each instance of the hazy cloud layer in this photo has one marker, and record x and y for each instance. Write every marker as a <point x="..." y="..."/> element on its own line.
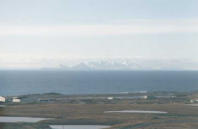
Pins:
<point x="129" y="28"/>
<point x="47" y="33"/>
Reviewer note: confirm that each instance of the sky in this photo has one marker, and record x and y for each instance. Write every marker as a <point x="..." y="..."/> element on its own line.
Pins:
<point x="47" y="33"/>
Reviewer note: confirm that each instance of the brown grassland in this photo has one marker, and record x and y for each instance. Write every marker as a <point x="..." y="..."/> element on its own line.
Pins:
<point x="179" y="116"/>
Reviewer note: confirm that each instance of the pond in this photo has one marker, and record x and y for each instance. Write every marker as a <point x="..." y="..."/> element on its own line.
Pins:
<point x="137" y="111"/>
<point x="79" y="126"/>
<point x="7" y="119"/>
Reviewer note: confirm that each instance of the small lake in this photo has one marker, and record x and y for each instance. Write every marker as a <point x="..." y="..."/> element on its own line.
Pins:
<point x="78" y="127"/>
<point x="137" y="111"/>
<point x="7" y="119"/>
<point x="195" y="105"/>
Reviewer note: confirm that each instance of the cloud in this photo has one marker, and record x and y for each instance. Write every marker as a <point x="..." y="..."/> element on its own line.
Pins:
<point x="130" y="27"/>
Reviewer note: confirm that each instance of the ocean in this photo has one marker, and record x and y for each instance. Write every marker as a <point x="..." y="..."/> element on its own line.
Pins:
<point x="95" y="82"/>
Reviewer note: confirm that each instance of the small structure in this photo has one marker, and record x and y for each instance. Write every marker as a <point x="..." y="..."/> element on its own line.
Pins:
<point x="16" y="100"/>
<point x="145" y="97"/>
<point x="110" y="98"/>
<point x="194" y="100"/>
<point x="2" y="99"/>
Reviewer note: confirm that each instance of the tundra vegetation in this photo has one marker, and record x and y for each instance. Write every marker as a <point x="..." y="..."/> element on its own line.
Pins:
<point x="182" y="113"/>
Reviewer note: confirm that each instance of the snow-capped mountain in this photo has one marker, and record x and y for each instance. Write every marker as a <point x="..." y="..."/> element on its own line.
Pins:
<point x="131" y="64"/>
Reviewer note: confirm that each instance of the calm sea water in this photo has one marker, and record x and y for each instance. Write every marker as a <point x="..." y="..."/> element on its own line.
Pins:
<point x="68" y="82"/>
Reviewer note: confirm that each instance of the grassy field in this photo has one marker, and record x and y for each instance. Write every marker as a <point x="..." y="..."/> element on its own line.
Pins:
<point x="179" y="116"/>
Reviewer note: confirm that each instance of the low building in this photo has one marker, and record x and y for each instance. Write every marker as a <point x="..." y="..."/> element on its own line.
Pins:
<point x="110" y="98"/>
<point x="145" y="97"/>
<point x="16" y="100"/>
<point x="192" y="101"/>
<point x="2" y="99"/>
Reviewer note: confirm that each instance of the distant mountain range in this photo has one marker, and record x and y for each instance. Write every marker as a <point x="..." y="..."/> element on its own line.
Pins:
<point x="130" y="64"/>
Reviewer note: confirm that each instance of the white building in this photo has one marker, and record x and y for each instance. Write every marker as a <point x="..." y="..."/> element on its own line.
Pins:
<point x="110" y="98"/>
<point x="16" y="100"/>
<point x="2" y="99"/>
<point x="194" y="100"/>
<point x="145" y="97"/>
